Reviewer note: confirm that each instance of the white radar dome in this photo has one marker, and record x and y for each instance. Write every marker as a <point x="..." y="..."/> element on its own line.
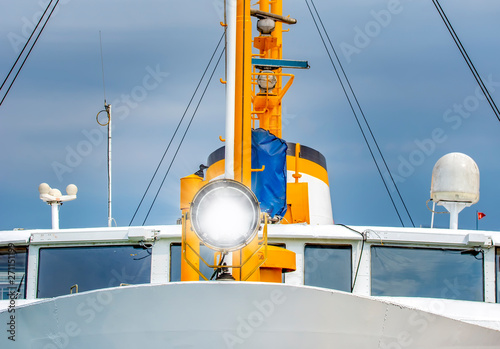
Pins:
<point x="455" y="178"/>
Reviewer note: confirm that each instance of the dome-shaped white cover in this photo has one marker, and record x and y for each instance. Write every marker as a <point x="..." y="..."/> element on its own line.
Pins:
<point x="455" y="178"/>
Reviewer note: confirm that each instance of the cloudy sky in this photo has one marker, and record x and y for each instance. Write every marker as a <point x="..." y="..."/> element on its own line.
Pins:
<point x="414" y="87"/>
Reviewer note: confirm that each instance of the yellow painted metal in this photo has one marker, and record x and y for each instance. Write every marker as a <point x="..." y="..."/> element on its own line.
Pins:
<point x="277" y="52"/>
<point x="189" y="187"/>
<point x="259" y="169"/>
<point x="267" y="106"/>
<point x="297" y="199"/>
<point x="245" y="269"/>
<point x="279" y="260"/>
<point x="308" y="167"/>
<point x="297" y="175"/>
<point x="242" y="128"/>
<point x="190" y="262"/>
<point x="215" y="170"/>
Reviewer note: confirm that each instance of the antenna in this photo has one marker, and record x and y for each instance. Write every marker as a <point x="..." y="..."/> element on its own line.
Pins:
<point x="455" y="184"/>
<point x="107" y="109"/>
<point x="102" y="68"/>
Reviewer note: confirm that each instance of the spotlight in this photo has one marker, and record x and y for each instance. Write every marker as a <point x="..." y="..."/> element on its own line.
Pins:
<point x="225" y="215"/>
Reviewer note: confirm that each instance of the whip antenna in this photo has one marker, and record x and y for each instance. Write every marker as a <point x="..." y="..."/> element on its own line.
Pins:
<point x="106" y="122"/>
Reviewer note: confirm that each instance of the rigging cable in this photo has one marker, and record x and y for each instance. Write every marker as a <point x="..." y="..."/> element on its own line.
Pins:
<point x="355" y="115"/>
<point x="177" y="128"/>
<point x="363" y="114"/>
<point x="25" y="45"/>
<point x="364" y="236"/>
<point x="467" y="59"/>
<point x="184" y="135"/>
<point x="29" y="52"/>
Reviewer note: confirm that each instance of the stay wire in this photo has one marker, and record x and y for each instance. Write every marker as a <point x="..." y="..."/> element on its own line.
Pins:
<point x="26" y="44"/>
<point x="177" y="128"/>
<point x="184" y="135"/>
<point x="467" y="59"/>
<point x="355" y="115"/>
<point x="29" y="52"/>
<point x="363" y="114"/>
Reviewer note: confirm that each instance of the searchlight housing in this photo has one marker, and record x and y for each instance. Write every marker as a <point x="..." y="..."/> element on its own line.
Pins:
<point x="225" y="215"/>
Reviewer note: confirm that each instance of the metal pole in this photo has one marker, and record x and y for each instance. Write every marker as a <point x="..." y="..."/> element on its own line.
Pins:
<point x="55" y="215"/>
<point x="110" y="219"/>
<point x="433" y="211"/>
<point x="230" y="88"/>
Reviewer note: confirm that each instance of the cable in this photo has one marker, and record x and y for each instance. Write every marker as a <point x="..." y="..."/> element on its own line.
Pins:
<point x="185" y="132"/>
<point x="25" y="58"/>
<point x="363" y="235"/>
<point x="363" y="114"/>
<point x="355" y="116"/>
<point x="467" y="59"/>
<point x="25" y="45"/>
<point x="177" y="128"/>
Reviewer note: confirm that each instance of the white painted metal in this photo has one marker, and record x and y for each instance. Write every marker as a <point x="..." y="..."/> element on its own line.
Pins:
<point x="433" y="213"/>
<point x="478" y="313"/>
<point x="489" y="276"/>
<point x="236" y="315"/>
<point x="110" y="215"/>
<point x="454" y="208"/>
<point x="54" y="206"/>
<point x="320" y="203"/>
<point x="230" y="87"/>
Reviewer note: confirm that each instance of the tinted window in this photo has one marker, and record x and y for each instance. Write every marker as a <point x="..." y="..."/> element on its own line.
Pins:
<point x="328" y="266"/>
<point x="13" y="270"/>
<point x="175" y="262"/>
<point x="91" y="268"/>
<point x="434" y="273"/>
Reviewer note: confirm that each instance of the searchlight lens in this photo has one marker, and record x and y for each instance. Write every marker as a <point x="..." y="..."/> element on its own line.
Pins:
<point x="225" y="215"/>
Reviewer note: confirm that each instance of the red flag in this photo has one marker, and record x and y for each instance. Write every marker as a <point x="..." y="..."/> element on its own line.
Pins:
<point x="480" y="215"/>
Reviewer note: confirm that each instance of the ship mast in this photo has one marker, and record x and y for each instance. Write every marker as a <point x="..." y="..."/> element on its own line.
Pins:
<point x="250" y="100"/>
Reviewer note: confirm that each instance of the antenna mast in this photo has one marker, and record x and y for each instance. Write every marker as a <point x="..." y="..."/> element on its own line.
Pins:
<point x="107" y="109"/>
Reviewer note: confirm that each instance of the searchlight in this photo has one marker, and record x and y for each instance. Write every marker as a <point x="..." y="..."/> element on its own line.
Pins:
<point x="225" y="215"/>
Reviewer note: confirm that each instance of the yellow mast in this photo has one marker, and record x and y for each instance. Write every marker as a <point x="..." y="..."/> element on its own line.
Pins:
<point x="242" y="127"/>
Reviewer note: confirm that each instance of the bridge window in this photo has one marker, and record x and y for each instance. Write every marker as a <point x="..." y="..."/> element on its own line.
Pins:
<point x="91" y="268"/>
<point x="13" y="263"/>
<point x="328" y="266"/>
<point x="422" y="272"/>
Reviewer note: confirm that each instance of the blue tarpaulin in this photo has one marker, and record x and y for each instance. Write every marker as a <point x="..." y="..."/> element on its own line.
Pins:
<point x="269" y="185"/>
